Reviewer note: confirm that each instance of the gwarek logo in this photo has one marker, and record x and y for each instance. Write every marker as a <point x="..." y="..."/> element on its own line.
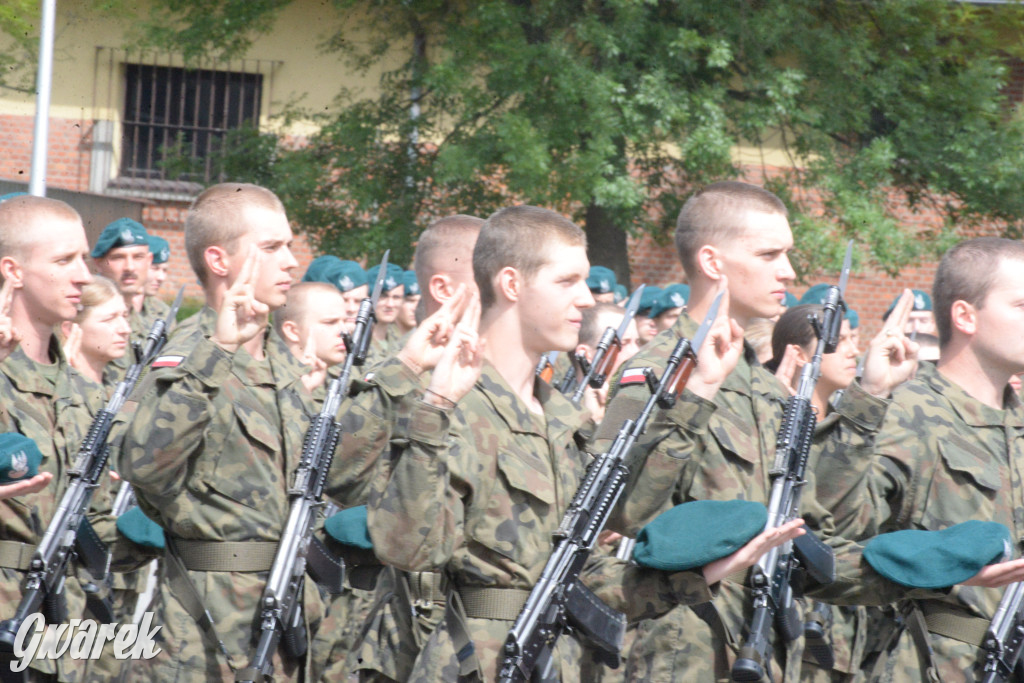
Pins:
<point x="83" y="639"/>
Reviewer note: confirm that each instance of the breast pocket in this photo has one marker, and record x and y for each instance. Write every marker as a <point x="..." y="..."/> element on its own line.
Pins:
<point x="726" y="468"/>
<point x="518" y="516"/>
<point x="968" y="487"/>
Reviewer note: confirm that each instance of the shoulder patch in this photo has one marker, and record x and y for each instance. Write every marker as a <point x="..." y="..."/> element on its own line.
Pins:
<point x="167" y="362"/>
<point x="369" y="377"/>
<point x="633" y="376"/>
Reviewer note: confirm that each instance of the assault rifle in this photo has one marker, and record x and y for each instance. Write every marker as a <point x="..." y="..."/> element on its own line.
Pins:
<point x="281" y="604"/>
<point x="597" y="370"/>
<point x="771" y="578"/>
<point x="1004" y="639"/>
<point x="546" y="367"/>
<point x="559" y="601"/>
<point x="69" y="534"/>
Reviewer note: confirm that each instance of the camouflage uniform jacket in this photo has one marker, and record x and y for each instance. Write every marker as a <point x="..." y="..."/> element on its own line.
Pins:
<point x="211" y="447"/>
<point x="477" y="494"/>
<point x="57" y="417"/>
<point x="381" y="350"/>
<point x="940" y="458"/>
<point x="711" y="450"/>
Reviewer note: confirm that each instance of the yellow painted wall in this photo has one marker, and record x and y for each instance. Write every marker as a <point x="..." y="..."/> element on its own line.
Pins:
<point x="301" y="72"/>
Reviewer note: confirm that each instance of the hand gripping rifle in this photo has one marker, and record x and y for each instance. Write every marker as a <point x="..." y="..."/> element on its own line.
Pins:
<point x="1004" y="639"/>
<point x="69" y="534"/>
<point x="559" y="601"/>
<point x="597" y="370"/>
<point x="280" y="606"/>
<point x="772" y="576"/>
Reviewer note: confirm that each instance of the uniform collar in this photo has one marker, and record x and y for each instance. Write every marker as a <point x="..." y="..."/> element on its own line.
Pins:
<point x="972" y="411"/>
<point x="559" y="412"/>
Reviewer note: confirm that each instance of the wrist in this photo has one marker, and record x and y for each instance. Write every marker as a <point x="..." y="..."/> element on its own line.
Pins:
<point x="437" y="400"/>
<point x="410" y="362"/>
<point x="229" y="347"/>
<point x="706" y="390"/>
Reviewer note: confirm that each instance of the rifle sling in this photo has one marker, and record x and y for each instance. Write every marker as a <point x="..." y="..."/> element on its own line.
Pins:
<point x="946" y="620"/>
<point x="15" y="555"/>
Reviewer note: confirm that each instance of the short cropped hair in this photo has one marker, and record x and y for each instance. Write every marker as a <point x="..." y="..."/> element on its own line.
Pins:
<point x="517" y="237"/>
<point x="590" y="327"/>
<point x="966" y="273"/>
<point x="22" y="222"/>
<point x="443" y="242"/>
<point x="296" y="308"/>
<point x="215" y="219"/>
<point x="712" y="214"/>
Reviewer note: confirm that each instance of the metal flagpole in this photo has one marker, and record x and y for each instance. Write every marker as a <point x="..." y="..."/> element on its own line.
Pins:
<point x="44" y="80"/>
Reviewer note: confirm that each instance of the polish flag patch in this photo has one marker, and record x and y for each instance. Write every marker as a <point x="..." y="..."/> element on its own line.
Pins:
<point x="633" y="376"/>
<point x="167" y="362"/>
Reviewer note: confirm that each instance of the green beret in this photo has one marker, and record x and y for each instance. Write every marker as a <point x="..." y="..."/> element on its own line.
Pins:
<point x="140" y="529"/>
<point x="19" y="458"/>
<point x="601" y="280"/>
<point x="817" y="295"/>
<point x="854" y="319"/>
<point x="393" y="278"/>
<point x="938" y="559"/>
<point x="673" y="296"/>
<point x="160" y="248"/>
<point x="922" y="302"/>
<point x="11" y="195"/>
<point x="345" y="275"/>
<point x="693" y="534"/>
<point x="647" y="299"/>
<point x="790" y="300"/>
<point x="412" y="287"/>
<point x="620" y="293"/>
<point x="124" y="232"/>
<point x="348" y="527"/>
<point x="320" y="267"/>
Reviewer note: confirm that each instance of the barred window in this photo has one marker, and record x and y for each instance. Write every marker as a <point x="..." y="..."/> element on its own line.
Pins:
<point x="176" y="114"/>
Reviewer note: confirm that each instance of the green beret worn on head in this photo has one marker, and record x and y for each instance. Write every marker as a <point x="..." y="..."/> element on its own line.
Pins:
<point x="647" y="299"/>
<point x="922" y="302"/>
<point x="347" y="275"/>
<point x="19" y="458"/>
<point x="854" y="319"/>
<point x="412" y="287"/>
<point x="393" y="278"/>
<point x="693" y="534"/>
<point x="601" y="280"/>
<point x="140" y="529"/>
<point x="817" y="295"/>
<point x="790" y="300"/>
<point x="938" y="559"/>
<point x="11" y="195"/>
<point x="673" y="296"/>
<point x="348" y="527"/>
<point x="620" y="293"/>
<point x="160" y="248"/>
<point x="320" y="267"/>
<point x="124" y="232"/>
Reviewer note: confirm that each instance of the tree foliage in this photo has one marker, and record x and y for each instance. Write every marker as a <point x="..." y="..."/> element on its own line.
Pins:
<point x="613" y="111"/>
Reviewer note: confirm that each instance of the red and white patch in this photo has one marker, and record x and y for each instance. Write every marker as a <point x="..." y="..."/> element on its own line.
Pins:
<point x="167" y="362"/>
<point x="633" y="376"/>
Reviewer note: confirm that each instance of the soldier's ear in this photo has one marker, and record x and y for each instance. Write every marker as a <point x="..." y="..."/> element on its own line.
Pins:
<point x="290" y="331"/>
<point x="964" y="317"/>
<point x="217" y="261"/>
<point x="709" y="262"/>
<point x="508" y="283"/>
<point x="11" y="270"/>
<point x="440" y="288"/>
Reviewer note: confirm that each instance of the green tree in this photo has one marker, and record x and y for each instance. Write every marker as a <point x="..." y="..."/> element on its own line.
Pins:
<point x="614" y="110"/>
<point x="19" y="37"/>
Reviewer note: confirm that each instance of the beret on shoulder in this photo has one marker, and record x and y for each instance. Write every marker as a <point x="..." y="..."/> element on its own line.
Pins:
<point x="140" y="529"/>
<point x="938" y="559"/>
<point x="348" y="527"/>
<point x="693" y="534"/>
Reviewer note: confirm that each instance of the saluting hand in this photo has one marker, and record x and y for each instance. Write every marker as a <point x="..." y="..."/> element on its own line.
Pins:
<point x="241" y="317"/>
<point x="429" y="339"/>
<point x="788" y="367"/>
<point x="459" y="366"/>
<point x="9" y="337"/>
<point x="891" y="357"/>
<point x="317" y="368"/>
<point x="719" y="354"/>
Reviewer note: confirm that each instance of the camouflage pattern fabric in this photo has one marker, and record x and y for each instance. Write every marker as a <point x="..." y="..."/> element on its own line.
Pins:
<point x="720" y="450"/>
<point x="381" y="350"/>
<point x="210" y="450"/>
<point x="54" y="407"/>
<point x="940" y="458"/>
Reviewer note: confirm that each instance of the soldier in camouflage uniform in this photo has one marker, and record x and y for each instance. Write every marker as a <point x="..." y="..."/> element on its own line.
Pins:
<point x="494" y="455"/>
<point x="386" y="335"/>
<point x="42" y="262"/>
<point x="718" y="441"/>
<point x="216" y="433"/>
<point x="951" y="449"/>
<point x="148" y="304"/>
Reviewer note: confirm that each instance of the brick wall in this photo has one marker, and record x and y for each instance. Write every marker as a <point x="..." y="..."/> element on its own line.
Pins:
<point x="68" y="158"/>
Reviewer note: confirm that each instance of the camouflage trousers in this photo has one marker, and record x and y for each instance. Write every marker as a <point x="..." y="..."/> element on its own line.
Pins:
<point x="334" y="644"/>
